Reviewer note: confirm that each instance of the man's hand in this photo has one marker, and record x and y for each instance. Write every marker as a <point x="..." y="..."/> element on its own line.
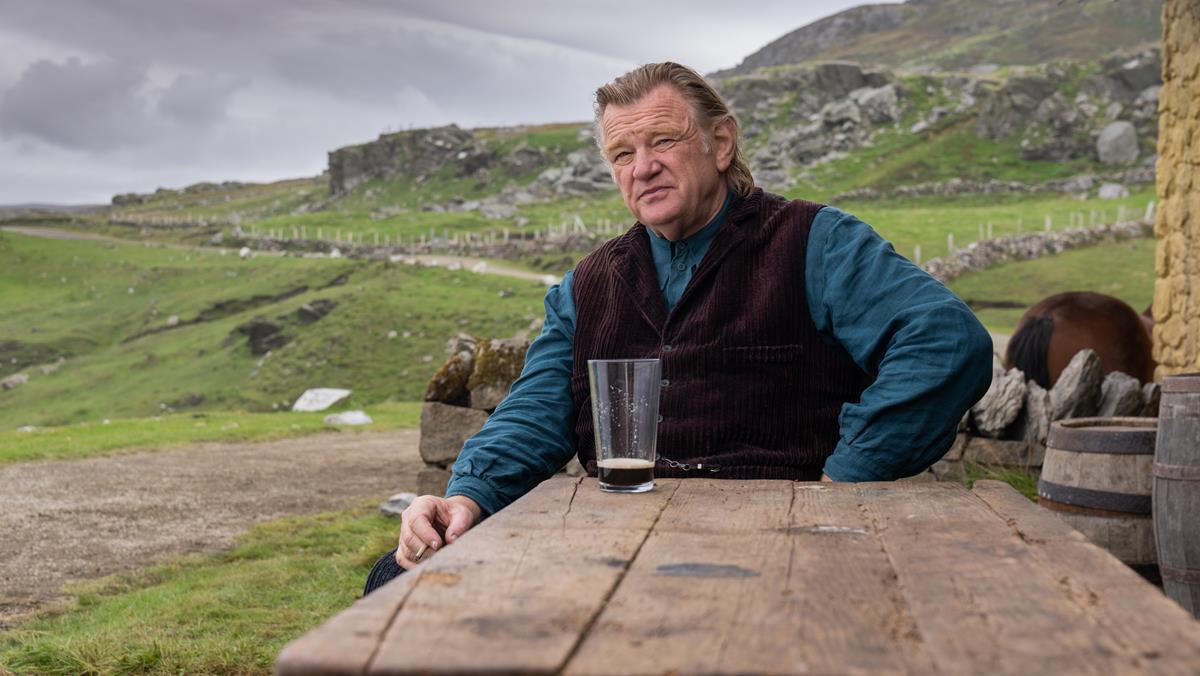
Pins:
<point x="825" y="477"/>
<point x="433" y="522"/>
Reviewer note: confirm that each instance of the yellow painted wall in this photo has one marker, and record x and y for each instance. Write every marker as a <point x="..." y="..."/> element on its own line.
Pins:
<point x="1177" y="222"/>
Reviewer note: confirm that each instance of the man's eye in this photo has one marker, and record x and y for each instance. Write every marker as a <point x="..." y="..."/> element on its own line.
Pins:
<point x="622" y="157"/>
<point x="663" y="142"/>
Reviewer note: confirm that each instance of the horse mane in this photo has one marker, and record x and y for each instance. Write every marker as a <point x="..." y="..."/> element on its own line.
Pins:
<point x="1027" y="348"/>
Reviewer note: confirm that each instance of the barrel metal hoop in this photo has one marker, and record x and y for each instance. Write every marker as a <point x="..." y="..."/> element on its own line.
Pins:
<point x="1176" y="472"/>
<point x="1086" y="497"/>
<point x="1181" y="575"/>
<point x="1185" y="382"/>
<point x="1112" y="436"/>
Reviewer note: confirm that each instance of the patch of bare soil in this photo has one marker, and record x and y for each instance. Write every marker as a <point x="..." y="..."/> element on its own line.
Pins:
<point x="79" y="519"/>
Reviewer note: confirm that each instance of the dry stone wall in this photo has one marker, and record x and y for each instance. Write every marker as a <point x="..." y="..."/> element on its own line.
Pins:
<point x="1177" y="227"/>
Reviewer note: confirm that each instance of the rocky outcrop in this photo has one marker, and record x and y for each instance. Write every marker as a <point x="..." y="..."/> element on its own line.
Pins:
<point x="459" y="399"/>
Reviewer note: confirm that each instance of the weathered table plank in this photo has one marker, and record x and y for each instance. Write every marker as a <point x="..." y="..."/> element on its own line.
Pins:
<point x="704" y="576"/>
<point x="980" y="602"/>
<point x="767" y="576"/>
<point x="1156" y="635"/>
<point x="499" y="591"/>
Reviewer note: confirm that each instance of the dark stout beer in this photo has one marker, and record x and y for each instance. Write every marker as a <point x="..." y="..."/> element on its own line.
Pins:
<point x="632" y="475"/>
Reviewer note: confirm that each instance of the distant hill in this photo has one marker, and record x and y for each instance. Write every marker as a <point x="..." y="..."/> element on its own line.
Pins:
<point x="960" y="34"/>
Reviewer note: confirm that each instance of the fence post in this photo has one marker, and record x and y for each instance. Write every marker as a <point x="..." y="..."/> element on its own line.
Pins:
<point x="917" y="254"/>
<point x="949" y="244"/>
<point x="1049" y="223"/>
<point x="1149" y="211"/>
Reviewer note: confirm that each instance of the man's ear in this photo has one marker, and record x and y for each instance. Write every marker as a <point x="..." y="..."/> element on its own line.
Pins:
<point x="724" y="133"/>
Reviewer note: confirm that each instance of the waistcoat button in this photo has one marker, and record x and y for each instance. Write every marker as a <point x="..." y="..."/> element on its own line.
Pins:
<point x="667" y="348"/>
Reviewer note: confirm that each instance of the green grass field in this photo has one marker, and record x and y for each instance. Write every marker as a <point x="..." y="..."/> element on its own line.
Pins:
<point x="141" y="434"/>
<point x="1122" y="269"/>
<point x="227" y="613"/>
<point x="95" y="304"/>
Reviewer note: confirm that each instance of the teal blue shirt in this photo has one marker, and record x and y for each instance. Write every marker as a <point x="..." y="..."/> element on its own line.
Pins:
<point x="930" y="357"/>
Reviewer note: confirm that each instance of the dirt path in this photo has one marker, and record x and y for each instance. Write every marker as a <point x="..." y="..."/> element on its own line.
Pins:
<point x="70" y="520"/>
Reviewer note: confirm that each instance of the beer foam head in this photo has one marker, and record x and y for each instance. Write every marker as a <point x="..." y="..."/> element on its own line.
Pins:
<point x="625" y="463"/>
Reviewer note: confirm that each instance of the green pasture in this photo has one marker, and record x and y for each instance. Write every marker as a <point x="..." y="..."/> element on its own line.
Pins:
<point x="226" y="613"/>
<point x="105" y="308"/>
<point x="1123" y="269"/>
<point x="926" y="221"/>
<point x="87" y="439"/>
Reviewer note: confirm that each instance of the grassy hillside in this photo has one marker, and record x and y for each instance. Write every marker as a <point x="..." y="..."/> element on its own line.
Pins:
<point x="963" y="33"/>
<point x="105" y="308"/>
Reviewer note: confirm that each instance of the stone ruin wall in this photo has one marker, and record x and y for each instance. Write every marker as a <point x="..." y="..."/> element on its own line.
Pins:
<point x="1177" y="227"/>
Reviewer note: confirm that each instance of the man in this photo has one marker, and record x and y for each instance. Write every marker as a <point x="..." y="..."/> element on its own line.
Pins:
<point x="795" y="342"/>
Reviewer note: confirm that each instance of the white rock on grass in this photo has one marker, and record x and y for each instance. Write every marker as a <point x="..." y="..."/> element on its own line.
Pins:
<point x="395" y="505"/>
<point x="319" y="399"/>
<point x="14" y="381"/>
<point x="349" y="418"/>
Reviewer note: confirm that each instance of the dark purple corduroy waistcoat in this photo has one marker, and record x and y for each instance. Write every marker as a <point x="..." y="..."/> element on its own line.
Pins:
<point x="749" y="385"/>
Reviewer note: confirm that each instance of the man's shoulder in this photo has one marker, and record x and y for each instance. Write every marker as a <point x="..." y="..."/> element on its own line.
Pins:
<point x="773" y="208"/>
<point x="602" y="256"/>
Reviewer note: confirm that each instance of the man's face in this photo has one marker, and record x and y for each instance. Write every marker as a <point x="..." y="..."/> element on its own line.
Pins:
<point x="668" y="179"/>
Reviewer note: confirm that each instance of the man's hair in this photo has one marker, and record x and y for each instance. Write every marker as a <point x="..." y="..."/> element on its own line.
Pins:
<point x="708" y="109"/>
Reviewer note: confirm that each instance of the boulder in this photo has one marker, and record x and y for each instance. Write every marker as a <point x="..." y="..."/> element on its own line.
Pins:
<point x="262" y="334"/>
<point x="1151" y="396"/>
<point x="14" y="381"/>
<point x="1001" y="404"/>
<point x="319" y="399"/>
<point x="432" y="481"/>
<point x="444" y="430"/>
<point x="349" y="418"/>
<point x="395" y="505"/>
<point x="1112" y="191"/>
<point x="879" y="104"/>
<point x="573" y="468"/>
<point x="1118" y="143"/>
<point x="955" y="452"/>
<point x="983" y="451"/>
<point x="1120" y="395"/>
<point x="449" y="384"/>
<point x="1033" y="424"/>
<point x="1077" y="392"/>
<point x="497" y="364"/>
<point x="839" y="112"/>
<point x="315" y="310"/>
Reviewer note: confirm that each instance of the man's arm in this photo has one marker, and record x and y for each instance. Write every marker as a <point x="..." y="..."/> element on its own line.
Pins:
<point x="528" y="437"/>
<point x="930" y="356"/>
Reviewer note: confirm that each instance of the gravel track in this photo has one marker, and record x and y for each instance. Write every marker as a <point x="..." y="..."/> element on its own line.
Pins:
<point x="81" y="519"/>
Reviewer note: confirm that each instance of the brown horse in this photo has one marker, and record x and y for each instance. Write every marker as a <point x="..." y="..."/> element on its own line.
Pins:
<point x="1053" y="331"/>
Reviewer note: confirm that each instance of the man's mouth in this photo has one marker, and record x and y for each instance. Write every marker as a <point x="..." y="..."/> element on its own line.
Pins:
<point x="651" y="192"/>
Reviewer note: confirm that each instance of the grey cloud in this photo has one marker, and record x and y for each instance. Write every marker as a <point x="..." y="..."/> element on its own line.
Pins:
<point x="199" y="100"/>
<point x="77" y="105"/>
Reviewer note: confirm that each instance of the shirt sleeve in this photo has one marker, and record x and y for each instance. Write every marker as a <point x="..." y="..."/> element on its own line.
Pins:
<point x="527" y="439"/>
<point x="930" y="357"/>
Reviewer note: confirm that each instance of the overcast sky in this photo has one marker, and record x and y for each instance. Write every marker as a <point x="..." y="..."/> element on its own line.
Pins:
<point x="102" y="97"/>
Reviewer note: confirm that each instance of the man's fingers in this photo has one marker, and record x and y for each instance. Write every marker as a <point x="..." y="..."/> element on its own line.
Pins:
<point x="460" y="521"/>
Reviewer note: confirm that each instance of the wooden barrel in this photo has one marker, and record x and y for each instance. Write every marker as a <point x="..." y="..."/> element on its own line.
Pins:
<point x="1096" y="477"/>
<point x="1177" y="490"/>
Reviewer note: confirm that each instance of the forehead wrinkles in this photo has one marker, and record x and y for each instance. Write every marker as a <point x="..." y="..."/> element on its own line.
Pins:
<point x="668" y="116"/>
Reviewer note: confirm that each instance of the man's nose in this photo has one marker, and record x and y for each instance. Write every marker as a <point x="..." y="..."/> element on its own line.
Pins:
<point x="645" y="165"/>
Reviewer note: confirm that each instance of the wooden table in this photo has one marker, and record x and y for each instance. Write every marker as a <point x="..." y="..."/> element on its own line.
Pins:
<point x="762" y="576"/>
